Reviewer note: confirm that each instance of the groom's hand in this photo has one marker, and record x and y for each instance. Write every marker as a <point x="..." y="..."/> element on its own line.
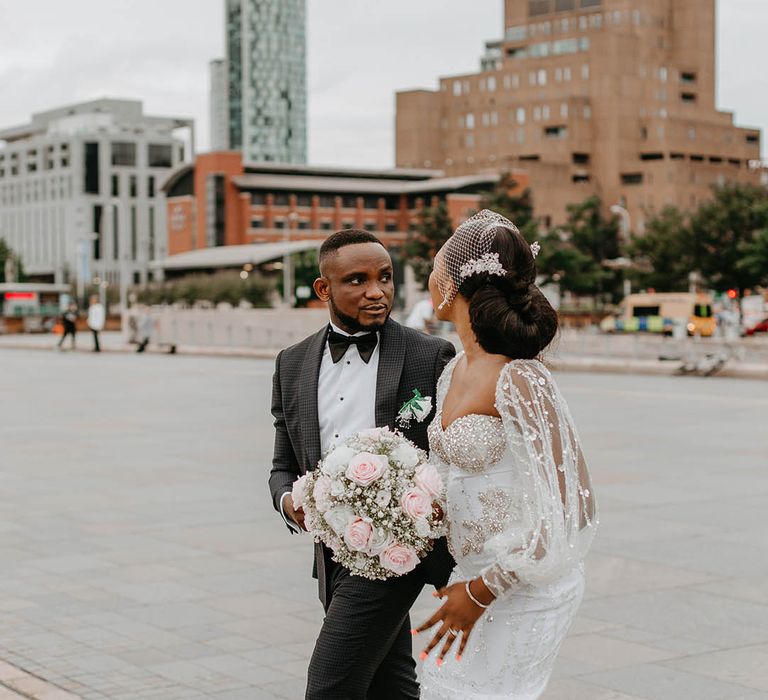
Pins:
<point x="295" y="514"/>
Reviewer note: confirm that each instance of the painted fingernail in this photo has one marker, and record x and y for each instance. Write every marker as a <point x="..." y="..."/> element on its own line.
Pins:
<point x="458" y="657"/>
<point x="423" y="655"/>
<point x="414" y="631"/>
<point x="439" y="662"/>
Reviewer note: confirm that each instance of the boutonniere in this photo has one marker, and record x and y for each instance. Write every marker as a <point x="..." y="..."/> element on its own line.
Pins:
<point x="417" y="407"/>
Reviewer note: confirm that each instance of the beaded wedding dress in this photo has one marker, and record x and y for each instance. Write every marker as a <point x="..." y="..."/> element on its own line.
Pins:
<point x="521" y="513"/>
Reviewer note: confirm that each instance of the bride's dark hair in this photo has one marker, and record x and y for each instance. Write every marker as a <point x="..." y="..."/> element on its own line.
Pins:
<point x="509" y="314"/>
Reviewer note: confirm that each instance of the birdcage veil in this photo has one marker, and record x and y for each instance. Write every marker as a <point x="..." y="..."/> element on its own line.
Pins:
<point x="468" y="252"/>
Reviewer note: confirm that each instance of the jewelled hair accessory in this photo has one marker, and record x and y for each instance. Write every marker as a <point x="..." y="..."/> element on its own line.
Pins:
<point x="489" y="262"/>
<point x="535" y="248"/>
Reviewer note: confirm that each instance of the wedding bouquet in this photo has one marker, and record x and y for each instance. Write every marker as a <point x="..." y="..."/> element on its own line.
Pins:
<point x="370" y="501"/>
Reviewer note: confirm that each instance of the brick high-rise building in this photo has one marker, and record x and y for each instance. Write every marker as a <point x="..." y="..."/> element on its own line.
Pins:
<point x="611" y="97"/>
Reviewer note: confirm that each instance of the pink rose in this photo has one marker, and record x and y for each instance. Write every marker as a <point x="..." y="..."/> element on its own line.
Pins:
<point x="416" y="504"/>
<point x="399" y="559"/>
<point x="427" y="478"/>
<point x="357" y="534"/>
<point x="322" y="493"/>
<point x="365" y="468"/>
<point x="299" y="491"/>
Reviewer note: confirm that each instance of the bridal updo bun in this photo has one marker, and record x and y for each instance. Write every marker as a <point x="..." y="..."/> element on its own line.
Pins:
<point x="509" y="314"/>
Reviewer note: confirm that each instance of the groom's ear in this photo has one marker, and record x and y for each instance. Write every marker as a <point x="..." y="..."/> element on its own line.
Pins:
<point x="322" y="288"/>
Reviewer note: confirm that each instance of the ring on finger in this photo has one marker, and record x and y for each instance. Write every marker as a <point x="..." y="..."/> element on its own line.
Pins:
<point x="454" y="632"/>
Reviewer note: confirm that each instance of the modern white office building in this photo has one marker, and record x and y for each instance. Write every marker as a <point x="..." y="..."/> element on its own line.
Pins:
<point x="218" y="105"/>
<point x="266" y="79"/>
<point x="80" y="189"/>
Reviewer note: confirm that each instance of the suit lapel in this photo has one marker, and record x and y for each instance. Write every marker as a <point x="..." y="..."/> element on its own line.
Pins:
<point x="310" y="423"/>
<point x="391" y="359"/>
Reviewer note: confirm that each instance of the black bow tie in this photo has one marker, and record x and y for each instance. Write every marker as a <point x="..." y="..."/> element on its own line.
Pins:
<point x="339" y="344"/>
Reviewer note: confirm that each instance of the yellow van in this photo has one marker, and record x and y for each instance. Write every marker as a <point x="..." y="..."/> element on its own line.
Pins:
<point x="660" y="312"/>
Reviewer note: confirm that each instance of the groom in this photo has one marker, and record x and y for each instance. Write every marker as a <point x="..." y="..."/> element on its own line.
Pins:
<point x="352" y="375"/>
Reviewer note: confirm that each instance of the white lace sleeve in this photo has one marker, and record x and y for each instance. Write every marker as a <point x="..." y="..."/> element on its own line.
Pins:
<point x="556" y="498"/>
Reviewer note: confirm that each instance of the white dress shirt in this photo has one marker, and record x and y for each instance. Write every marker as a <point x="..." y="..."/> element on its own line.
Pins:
<point x="346" y="398"/>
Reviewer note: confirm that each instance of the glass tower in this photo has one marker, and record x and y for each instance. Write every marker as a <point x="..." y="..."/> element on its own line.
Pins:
<point x="266" y="55"/>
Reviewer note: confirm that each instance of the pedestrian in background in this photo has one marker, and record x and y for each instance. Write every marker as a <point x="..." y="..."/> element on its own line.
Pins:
<point x="145" y="328"/>
<point x="96" y="320"/>
<point x="69" y="323"/>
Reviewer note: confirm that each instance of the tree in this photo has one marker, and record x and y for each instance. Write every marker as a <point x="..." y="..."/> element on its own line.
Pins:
<point x="665" y="253"/>
<point x="755" y="259"/>
<point x="5" y="254"/>
<point x="724" y="232"/>
<point x="435" y="228"/>
<point x="517" y="208"/>
<point x="573" y="257"/>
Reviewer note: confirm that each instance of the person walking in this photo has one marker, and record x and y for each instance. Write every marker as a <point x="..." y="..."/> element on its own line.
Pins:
<point x="146" y="325"/>
<point x="96" y="320"/>
<point x="69" y="322"/>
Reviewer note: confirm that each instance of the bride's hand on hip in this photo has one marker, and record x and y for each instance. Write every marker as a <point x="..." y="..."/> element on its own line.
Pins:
<point x="457" y="616"/>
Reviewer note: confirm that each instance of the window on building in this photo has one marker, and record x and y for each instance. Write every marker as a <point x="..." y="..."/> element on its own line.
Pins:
<point x="151" y="186"/>
<point x="537" y="114"/>
<point x="258" y="198"/>
<point x="663" y="74"/>
<point x="689" y="97"/>
<point x="349" y="201"/>
<point x="545" y="112"/>
<point x="565" y="5"/>
<point x="327" y="201"/>
<point x="677" y="156"/>
<point x="532" y="78"/>
<point x="687" y="77"/>
<point x="517" y="33"/>
<point x="369" y="226"/>
<point x="651" y="156"/>
<point x="753" y="138"/>
<point x="491" y="84"/>
<point x="470" y="121"/>
<point x="469" y="141"/>
<point x="390" y="227"/>
<point x="692" y="133"/>
<point x="124" y="153"/>
<point x="585" y="72"/>
<point x="558" y="75"/>
<point x="456" y="88"/>
<point x="91" y="168"/>
<point x="580" y="158"/>
<point x="257" y="223"/>
<point x="133" y="186"/>
<point x="631" y="178"/>
<point x="326" y="225"/>
<point x="303" y="224"/>
<point x="584" y="43"/>
<point x="304" y="199"/>
<point x="697" y="158"/>
<point x="370" y="201"/>
<point x="537" y="8"/>
<point x="590" y="3"/>
<point x="134" y="235"/>
<point x="278" y="223"/>
<point x="159" y="155"/>
<point x="542" y="77"/>
<point x="115" y="190"/>
<point x="521" y="115"/>
<point x="96" y="230"/>
<point x="280" y="199"/>
<point x="580" y="177"/>
<point x="555" y="132"/>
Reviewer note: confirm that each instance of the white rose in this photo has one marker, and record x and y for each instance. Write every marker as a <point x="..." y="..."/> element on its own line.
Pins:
<point x="336" y="461"/>
<point x="422" y="528"/>
<point x="322" y="493"/>
<point x="383" y="498"/>
<point x="423" y="409"/>
<point x="337" y="488"/>
<point x="406" y="454"/>
<point x="338" y="518"/>
<point x="381" y="538"/>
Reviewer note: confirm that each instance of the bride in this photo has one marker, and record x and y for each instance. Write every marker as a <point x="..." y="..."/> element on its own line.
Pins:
<point x="520" y="509"/>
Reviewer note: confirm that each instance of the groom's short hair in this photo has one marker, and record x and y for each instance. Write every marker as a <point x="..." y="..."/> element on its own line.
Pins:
<point x="345" y="237"/>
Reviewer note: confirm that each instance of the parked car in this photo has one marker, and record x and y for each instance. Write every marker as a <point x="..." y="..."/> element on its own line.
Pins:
<point x="760" y="327"/>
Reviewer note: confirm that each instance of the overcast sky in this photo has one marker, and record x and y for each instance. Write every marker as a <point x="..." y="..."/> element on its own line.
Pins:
<point x="53" y="52"/>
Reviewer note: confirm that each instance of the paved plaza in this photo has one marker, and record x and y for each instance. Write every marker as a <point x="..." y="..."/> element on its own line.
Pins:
<point x="140" y="556"/>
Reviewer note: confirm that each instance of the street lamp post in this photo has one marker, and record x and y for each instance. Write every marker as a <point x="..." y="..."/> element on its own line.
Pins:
<point x="626" y="228"/>
<point x="287" y="262"/>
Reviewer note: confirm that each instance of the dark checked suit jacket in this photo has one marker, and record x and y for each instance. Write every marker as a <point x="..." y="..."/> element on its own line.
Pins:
<point x="408" y="360"/>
